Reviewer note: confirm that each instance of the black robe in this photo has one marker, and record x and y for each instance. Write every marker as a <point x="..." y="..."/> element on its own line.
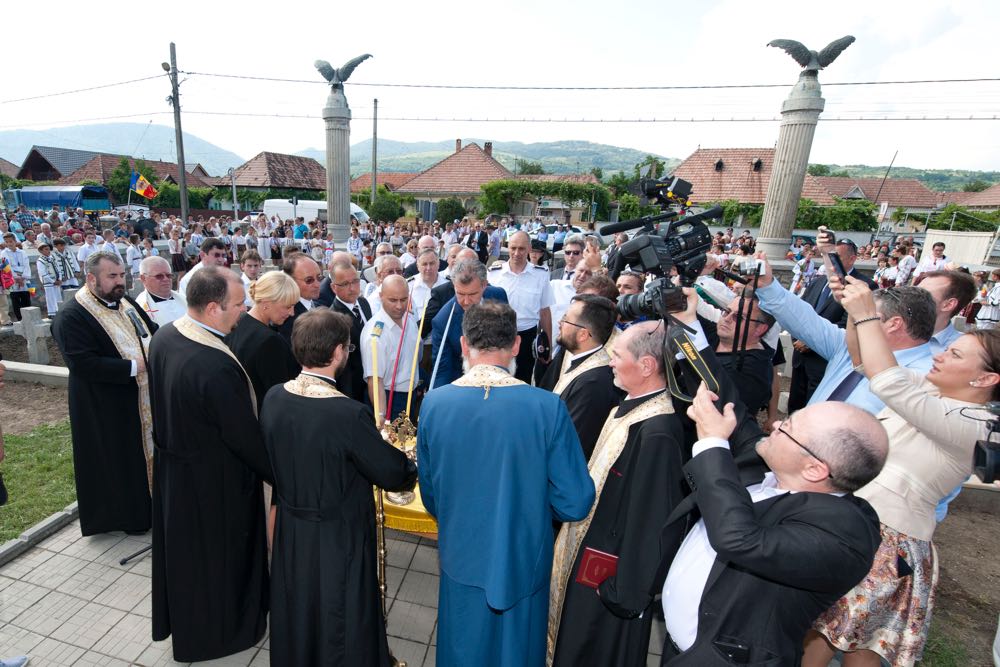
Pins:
<point x="108" y="458"/>
<point x="325" y="604"/>
<point x="644" y="484"/>
<point x="351" y="378"/>
<point x="590" y="397"/>
<point x="264" y="353"/>
<point x="210" y="587"/>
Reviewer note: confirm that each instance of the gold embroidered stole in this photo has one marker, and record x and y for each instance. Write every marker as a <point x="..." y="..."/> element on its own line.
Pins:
<point x="609" y="447"/>
<point x="595" y="360"/>
<point x="486" y="377"/>
<point x="309" y="386"/>
<point x="119" y="328"/>
<point x="199" y="334"/>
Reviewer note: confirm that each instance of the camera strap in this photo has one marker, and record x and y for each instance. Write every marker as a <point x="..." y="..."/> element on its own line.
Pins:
<point x="677" y="340"/>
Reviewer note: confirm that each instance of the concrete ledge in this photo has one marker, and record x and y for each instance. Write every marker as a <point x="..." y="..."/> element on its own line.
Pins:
<point x="53" y="376"/>
<point x="34" y="535"/>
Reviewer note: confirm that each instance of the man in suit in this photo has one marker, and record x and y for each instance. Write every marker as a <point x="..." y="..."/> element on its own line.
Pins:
<point x="308" y="276"/>
<point x="766" y="559"/>
<point x="479" y="241"/>
<point x="425" y="243"/>
<point x="441" y="294"/>
<point x="573" y="253"/>
<point x="326" y="293"/>
<point x="808" y="366"/>
<point x="468" y="280"/>
<point x="347" y="299"/>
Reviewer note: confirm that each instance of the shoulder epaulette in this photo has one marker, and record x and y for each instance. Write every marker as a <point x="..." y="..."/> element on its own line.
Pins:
<point x="377" y="329"/>
<point x="412" y="278"/>
<point x="496" y="267"/>
<point x="540" y="268"/>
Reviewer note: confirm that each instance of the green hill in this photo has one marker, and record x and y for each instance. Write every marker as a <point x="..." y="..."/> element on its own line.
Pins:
<point x="942" y="180"/>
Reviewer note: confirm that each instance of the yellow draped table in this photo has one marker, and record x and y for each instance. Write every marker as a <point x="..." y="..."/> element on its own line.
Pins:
<point x="411" y="518"/>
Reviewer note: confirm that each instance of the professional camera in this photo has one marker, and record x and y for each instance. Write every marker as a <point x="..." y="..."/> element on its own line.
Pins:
<point x="680" y="246"/>
<point x="986" y="458"/>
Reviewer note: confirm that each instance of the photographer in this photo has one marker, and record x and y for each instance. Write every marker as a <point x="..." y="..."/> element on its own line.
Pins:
<point x="931" y="442"/>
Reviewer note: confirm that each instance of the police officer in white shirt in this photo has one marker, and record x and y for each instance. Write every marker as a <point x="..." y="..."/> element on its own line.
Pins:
<point x="390" y="367"/>
<point x="529" y="294"/>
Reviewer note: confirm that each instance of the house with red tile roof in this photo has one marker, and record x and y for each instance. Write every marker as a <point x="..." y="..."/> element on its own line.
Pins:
<point x="906" y="193"/>
<point x="100" y="167"/>
<point x="268" y="170"/>
<point x="987" y="200"/>
<point x="743" y="174"/>
<point x="392" y="180"/>
<point x="8" y="168"/>
<point x="460" y="175"/>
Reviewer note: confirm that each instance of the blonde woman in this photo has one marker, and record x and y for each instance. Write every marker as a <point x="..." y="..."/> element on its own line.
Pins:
<point x="263" y="352"/>
<point x="933" y="425"/>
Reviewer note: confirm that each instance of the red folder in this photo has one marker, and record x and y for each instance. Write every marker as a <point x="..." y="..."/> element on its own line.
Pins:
<point x="595" y="567"/>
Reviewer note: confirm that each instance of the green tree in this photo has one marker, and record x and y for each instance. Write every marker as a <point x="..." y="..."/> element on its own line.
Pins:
<point x="597" y="173"/>
<point x="847" y="215"/>
<point x="619" y="183"/>
<point x="628" y="207"/>
<point x="500" y="196"/>
<point x="526" y="168"/>
<point x="121" y="177"/>
<point x="818" y="170"/>
<point x="899" y="214"/>
<point x="977" y="185"/>
<point x="386" y="208"/>
<point x="657" y="167"/>
<point x="960" y="219"/>
<point x="449" y="209"/>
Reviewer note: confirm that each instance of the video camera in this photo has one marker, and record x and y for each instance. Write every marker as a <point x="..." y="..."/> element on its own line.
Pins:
<point x="986" y="457"/>
<point x="682" y="246"/>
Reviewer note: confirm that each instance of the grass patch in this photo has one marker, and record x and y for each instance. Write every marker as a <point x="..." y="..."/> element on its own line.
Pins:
<point x="943" y="651"/>
<point x="38" y="472"/>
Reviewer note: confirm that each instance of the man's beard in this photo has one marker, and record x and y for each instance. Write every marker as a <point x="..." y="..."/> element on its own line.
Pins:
<point x="114" y="295"/>
<point x="566" y="344"/>
<point x="511" y="367"/>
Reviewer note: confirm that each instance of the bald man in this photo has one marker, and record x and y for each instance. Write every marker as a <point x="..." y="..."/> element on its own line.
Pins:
<point x="770" y="554"/>
<point x="426" y="242"/>
<point x="388" y="343"/>
<point x="326" y="292"/>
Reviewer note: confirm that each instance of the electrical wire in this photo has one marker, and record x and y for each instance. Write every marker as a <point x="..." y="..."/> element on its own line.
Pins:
<point x="588" y="88"/>
<point x="86" y="120"/>
<point x="81" y="90"/>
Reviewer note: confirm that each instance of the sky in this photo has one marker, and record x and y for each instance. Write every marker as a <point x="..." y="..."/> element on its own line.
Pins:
<point x="520" y="43"/>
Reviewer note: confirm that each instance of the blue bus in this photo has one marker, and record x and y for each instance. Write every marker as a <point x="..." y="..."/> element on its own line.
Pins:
<point x="93" y="199"/>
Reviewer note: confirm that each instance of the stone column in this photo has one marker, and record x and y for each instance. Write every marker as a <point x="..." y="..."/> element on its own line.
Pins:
<point x="337" y="116"/>
<point x="799" y="115"/>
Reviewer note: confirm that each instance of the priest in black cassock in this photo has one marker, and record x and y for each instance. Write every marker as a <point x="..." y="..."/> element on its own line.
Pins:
<point x="326" y="454"/>
<point x="210" y="589"/>
<point x="637" y="470"/>
<point x="103" y="336"/>
<point x="580" y="372"/>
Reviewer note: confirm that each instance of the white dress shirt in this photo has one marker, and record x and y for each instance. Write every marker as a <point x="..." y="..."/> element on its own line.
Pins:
<point x="528" y="292"/>
<point x="388" y="346"/>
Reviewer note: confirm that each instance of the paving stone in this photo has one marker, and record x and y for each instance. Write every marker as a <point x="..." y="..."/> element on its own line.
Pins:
<point x="127" y="639"/>
<point x="425" y="559"/>
<point x="25" y="563"/>
<point x="411" y="621"/>
<point x="90" y="581"/>
<point x="126" y="547"/>
<point x="46" y="615"/>
<point x="241" y="659"/>
<point x="5" y="582"/>
<point x="18" y="597"/>
<point x="17" y="641"/>
<point x="262" y="659"/>
<point x="420" y="588"/>
<point x="393" y="578"/>
<point x="159" y="654"/>
<point x="412" y="652"/>
<point x="86" y="625"/>
<point x="145" y="606"/>
<point x="11" y="549"/>
<point x="61" y="539"/>
<point x="93" y="546"/>
<point x="126" y="592"/>
<point x="399" y="535"/>
<point x="398" y="553"/>
<point x="52" y="652"/>
<point x="54" y="571"/>
<point x="430" y="659"/>
<point x="143" y="565"/>
<point x="92" y="659"/>
<point x="47" y="526"/>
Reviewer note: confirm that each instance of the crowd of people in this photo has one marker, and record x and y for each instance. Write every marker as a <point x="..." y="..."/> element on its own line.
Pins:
<point x="578" y="492"/>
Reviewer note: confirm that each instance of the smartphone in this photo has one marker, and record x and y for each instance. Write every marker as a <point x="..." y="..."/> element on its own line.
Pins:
<point x="829" y="233"/>
<point x="838" y="266"/>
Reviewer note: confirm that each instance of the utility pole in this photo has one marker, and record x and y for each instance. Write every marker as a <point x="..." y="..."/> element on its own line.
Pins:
<point x="236" y="204"/>
<point x="374" y="153"/>
<point x="175" y="100"/>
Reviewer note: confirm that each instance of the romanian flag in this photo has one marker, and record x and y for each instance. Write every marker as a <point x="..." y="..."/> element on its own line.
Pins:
<point x="141" y="186"/>
<point x="6" y="274"/>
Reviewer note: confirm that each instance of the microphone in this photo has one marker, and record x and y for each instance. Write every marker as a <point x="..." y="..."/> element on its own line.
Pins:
<point x="626" y="225"/>
<point x="137" y="323"/>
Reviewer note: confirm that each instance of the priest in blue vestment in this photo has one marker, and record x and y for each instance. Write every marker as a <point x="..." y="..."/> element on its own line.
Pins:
<point x="499" y="460"/>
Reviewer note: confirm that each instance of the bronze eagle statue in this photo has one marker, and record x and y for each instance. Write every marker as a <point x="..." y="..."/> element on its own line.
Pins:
<point x="337" y="77"/>
<point x="811" y="60"/>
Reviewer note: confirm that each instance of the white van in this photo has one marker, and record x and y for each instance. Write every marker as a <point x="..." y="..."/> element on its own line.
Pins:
<point x="309" y="209"/>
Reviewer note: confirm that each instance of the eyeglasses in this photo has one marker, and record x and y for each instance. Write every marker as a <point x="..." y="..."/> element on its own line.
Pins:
<point x="349" y="283"/>
<point x="810" y="452"/>
<point x="161" y="276"/>
<point x="893" y="294"/>
<point x="565" y="321"/>
<point x="351" y="347"/>
<point x="398" y="272"/>
<point x="309" y="280"/>
<point x="732" y="314"/>
<point x="572" y="252"/>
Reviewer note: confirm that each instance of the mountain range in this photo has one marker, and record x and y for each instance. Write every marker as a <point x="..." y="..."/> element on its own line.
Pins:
<point x="156" y="142"/>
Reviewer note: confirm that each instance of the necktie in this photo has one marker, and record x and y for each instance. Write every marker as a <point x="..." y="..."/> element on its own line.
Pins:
<point x="357" y="313"/>
<point x="846" y="386"/>
<point x="824" y="296"/>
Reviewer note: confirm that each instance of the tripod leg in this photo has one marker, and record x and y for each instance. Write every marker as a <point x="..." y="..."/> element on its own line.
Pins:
<point x="138" y="553"/>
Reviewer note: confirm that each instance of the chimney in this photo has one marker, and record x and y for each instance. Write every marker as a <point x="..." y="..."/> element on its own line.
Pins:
<point x="488" y="148"/>
<point x="458" y="145"/>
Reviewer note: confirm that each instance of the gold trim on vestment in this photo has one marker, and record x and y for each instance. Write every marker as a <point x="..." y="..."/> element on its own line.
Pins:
<point x="309" y="386"/>
<point x="595" y="360"/>
<point x="196" y="333"/>
<point x="609" y="447"/>
<point x="487" y="376"/>
<point x="119" y="328"/>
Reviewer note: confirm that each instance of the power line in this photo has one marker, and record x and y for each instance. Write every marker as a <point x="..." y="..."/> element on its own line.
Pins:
<point x="81" y="90"/>
<point x="85" y="120"/>
<point x="588" y="88"/>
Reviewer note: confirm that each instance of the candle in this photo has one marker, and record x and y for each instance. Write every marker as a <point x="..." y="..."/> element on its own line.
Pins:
<point x="375" y="378"/>
<point x="413" y="366"/>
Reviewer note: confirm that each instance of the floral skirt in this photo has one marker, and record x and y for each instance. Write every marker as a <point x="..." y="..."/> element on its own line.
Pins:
<point x="889" y="612"/>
